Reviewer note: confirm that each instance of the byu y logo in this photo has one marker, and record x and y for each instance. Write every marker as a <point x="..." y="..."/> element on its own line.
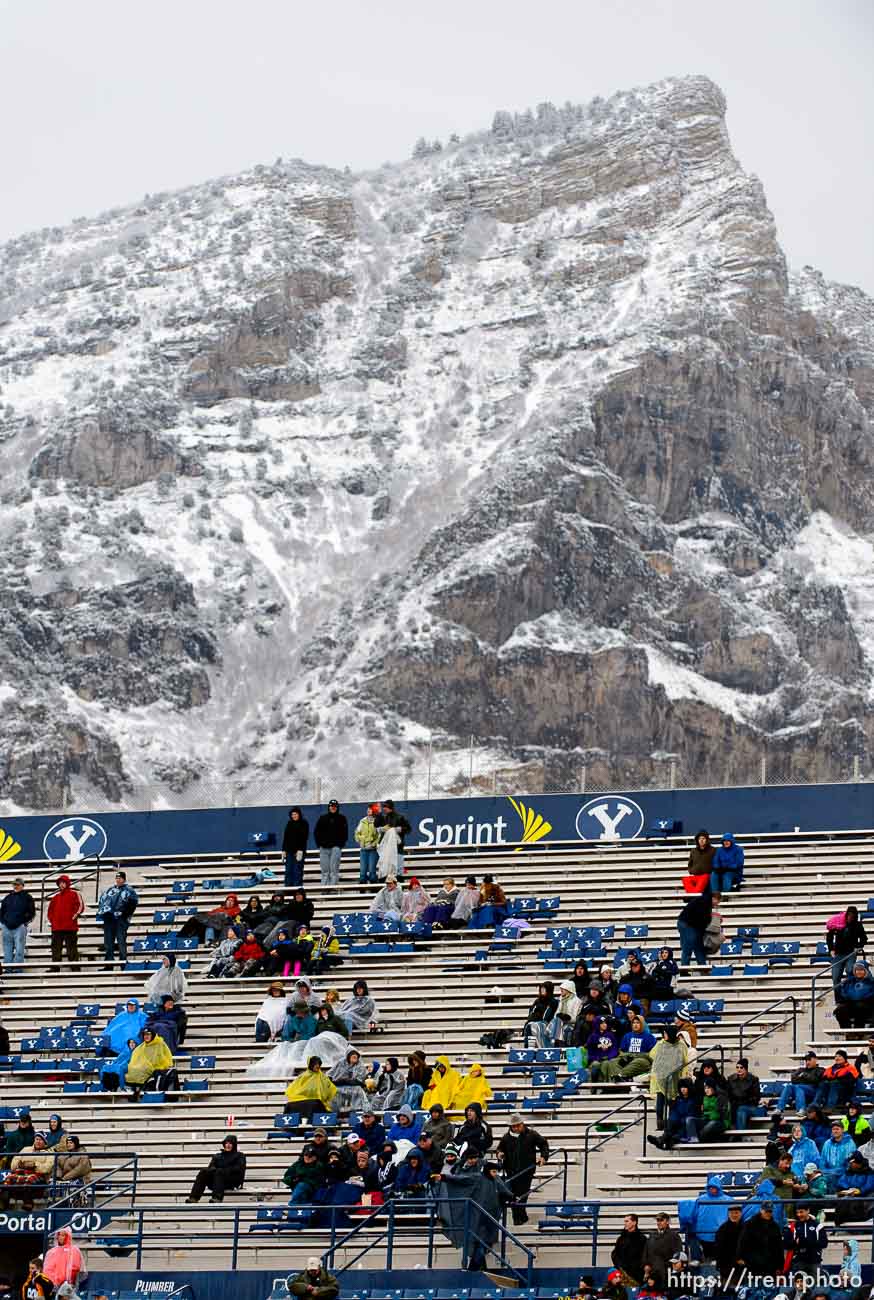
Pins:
<point x="74" y="838"/>
<point x="610" y="817"/>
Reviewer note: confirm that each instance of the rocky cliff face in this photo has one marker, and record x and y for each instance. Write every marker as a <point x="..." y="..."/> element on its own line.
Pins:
<point x="535" y="439"/>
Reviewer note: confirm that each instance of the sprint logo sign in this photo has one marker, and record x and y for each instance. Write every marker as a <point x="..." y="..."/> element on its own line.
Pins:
<point x="534" y="826"/>
<point x="9" y="847"/>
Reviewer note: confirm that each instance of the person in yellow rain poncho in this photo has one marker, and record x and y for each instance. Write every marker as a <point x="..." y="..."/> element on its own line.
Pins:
<point x="474" y="1087"/>
<point x="445" y="1082"/>
<point x="311" y="1091"/>
<point x="151" y="1065"/>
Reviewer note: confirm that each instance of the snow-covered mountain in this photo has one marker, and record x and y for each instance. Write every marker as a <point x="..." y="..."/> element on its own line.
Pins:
<point x="533" y="439"/>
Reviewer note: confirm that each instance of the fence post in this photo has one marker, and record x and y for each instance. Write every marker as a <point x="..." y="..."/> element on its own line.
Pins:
<point x="583" y="779"/>
<point x="495" y="781"/>
<point x="856" y="767"/>
<point x="318" y="790"/>
<point x="763" y="773"/>
<point x="430" y="750"/>
<point x="407" y="786"/>
<point x="470" y="771"/>
<point x="673" y="774"/>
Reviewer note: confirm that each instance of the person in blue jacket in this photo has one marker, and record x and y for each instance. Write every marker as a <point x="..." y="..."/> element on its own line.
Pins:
<point x="855" y="1183"/>
<point x="702" y="1218"/>
<point x="683" y="1107"/>
<point x="113" y="1073"/>
<point x="803" y="1150"/>
<point x="126" y="1024"/>
<point x="836" y="1152"/>
<point x="854" y="998"/>
<point x="728" y="866"/>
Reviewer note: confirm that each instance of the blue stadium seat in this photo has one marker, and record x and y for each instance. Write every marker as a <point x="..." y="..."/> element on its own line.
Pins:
<point x="636" y="931"/>
<point x="752" y="969"/>
<point x="88" y="1011"/>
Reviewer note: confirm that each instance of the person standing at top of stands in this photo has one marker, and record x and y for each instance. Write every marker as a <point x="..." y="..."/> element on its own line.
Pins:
<point x="844" y="936"/>
<point x="389" y="816"/>
<point x="65" y="908"/>
<point x="627" y="1252"/>
<point x="330" y="835"/>
<point x="701" y="855"/>
<point x="692" y="923"/>
<point x="367" y="839"/>
<point x="16" y="913"/>
<point x="115" y="907"/>
<point x="294" y="845"/>
<point x="520" y="1151"/>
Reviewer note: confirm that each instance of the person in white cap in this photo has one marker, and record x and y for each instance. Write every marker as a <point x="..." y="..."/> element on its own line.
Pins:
<point x="519" y="1151"/>
<point x="314" y="1280"/>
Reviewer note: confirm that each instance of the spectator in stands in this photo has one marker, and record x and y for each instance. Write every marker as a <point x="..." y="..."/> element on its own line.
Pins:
<point x="777" y="1174"/>
<point x="223" y="955"/>
<point x="603" y="1045"/>
<point x="412" y="1180"/>
<point x="715" y="1117"/>
<point x="65" y="908"/>
<point x="16" y="913"/>
<point x="312" y="1091"/>
<point x="326" y="950"/>
<point x="320" y="1144"/>
<point x="364" y="1172"/>
<point x="431" y="1153"/>
<point x="300" y="1024"/>
<point x="688" y="1035"/>
<point x="330" y="835"/>
<point x="167" y="981"/>
<point x="113" y="1073"/>
<point x="444" y="1087"/>
<point x="419" y="1078"/>
<point x="606" y="984"/>
<point x="270" y="1020"/>
<point x="386" y="1168"/>
<point x="295" y="838"/>
<point x="407" y="1126"/>
<point x="662" y="974"/>
<point x="836" y="1151"/>
<point x="37" y="1285"/>
<point x="21" y="1136"/>
<point x="520" y="1151"/>
<point x="55" y="1131"/>
<point x="206" y="925"/>
<point x="581" y="979"/>
<point x="328" y="1021"/>
<point x="349" y="1076"/>
<point x="151" y="1066"/>
<point x="170" y="1022"/>
<point x="306" y="1177"/>
<point x="709" y="1072"/>
<point x="634" y="1057"/>
<point x="660" y="1248"/>
<point x="492" y="909"/>
<point x="388" y="901"/>
<point x="369" y="1129"/>
<point x="744" y="1094"/>
<point x="115" y="907"/>
<point x="851" y="1271"/>
<point x="701" y="855"/>
<point x="253" y="913"/>
<point x="315" y="1281"/>
<point x="466" y="902"/>
<point x="247" y="958"/>
<point x="474" y="1134"/>
<point x="760" y="1246"/>
<point x="473" y="1087"/>
<point x="389" y="818"/>
<point x="304" y="992"/>
<point x="569" y="1007"/>
<point x="74" y="1165"/>
<point x="851" y="1185"/>
<point x="854" y="999"/>
<point x="845" y="936"/>
<point x="63" y="1262"/>
<point x="367" y="839"/>
<point x="813" y="1181"/>
<point x="725" y="1245"/>
<point x="273" y="917"/>
<point x="415" y="900"/>
<point x="639" y="981"/>
<point x="838" y="1082"/>
<point x="692" y="924"/>
<point x="802" y="1150"/>
<point x="225" y="1172"/>
<point x="30" y="1173"/>
<point x="802" y="1086"/>
<point x="668" y="1065"/>
<point x="855" y="1123"/>
<point x="625" y="1006"/>
<point x="439" y="911"/>
<point x="683" y="1107"/>
<point x="389" y="1086"/>
<point x="805" y="1240"/>
<point x="287" y="953"/>
<point x="540" y="1014"/>
<point x="359" y="1011"/>
<point x="461" y="1193"/>
<point x="728" y="866"/>
<point x="437" y="1125"/>
<point x="704" y="1218"/>
<point x="125" y="1024"/>
<point x="816" y="1124"/>
<point x="628" y="1249"/>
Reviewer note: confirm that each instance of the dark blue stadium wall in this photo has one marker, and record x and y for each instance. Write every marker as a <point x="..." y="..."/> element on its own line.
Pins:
<point x="446" y="823"/>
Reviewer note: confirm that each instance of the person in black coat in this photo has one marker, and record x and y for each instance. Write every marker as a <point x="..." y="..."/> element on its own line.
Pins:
<point x="691" y="924"/>
<point x="294" y="845"/>
<point x="330" y="835"/>
<point x="627" y="1253"/>
<point x="225" y="1171"/>
<point x="760" y="1248"/>
<point x="474" y="1136"/>
<point x="16" y="913"/>
<point x="844" y="943"/>
<point x="519" y="1151"/>
<point x="725" y="1245"/>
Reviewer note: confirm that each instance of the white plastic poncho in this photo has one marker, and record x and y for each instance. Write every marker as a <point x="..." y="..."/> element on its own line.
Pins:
<point x="287" y="1058"/>
<point x="273" y="1012"/>
<point x="387" y="861"/>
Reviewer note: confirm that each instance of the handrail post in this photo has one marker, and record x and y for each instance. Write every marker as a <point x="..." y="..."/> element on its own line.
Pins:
<point x="236" y="1245"/>
<point x="645" y="1101"/>
<point x="390" y="1242"/>
<point x="432" y="1210"/>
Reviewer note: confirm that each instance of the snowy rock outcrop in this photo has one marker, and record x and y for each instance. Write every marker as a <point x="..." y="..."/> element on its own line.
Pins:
<point x="533" y="439"/>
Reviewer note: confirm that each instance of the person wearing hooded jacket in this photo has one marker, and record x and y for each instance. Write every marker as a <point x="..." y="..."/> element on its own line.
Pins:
<point x="728" y="866"/>
<point x="854" y="1004"/>
<point x="702" y="1218"/>
<point x="63" y="1262"/>
<point x="475" y="1226"/>
<point x="474" y="1134"/>
<point x="115" y="907"/>
<point x="225" y="1172"/>
<point x="295" y="838"/>
<point x="519" y="1151"/>
<point x="540" y="1013"/>
<point x="760" y="1245"/>
<point x="692" y="924"/>
<point x="125" y="1024"/>
<point x="65" y="908"/>
<point x="330" y="835"/>
<point x="844" y="936"/>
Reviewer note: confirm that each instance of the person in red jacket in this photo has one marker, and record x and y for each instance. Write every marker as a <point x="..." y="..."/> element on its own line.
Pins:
<point x="65" y="908"/>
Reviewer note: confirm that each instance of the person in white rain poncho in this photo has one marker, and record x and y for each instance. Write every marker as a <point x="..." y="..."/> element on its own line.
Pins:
<point x="467" y="900"/>
<point x="416" y="899"/>
<point x="389" y="901"/>
<point x="270" y="1019"/>
<point x="167" y="981"/>
<point x="286" y="1059"/>
<point x="387" y="860"/>
<point x="359" y="1011"/>
<point x="349" y="1076"/>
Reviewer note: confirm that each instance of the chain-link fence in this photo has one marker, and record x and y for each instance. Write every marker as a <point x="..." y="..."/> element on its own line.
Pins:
<point x="445" y="770"/>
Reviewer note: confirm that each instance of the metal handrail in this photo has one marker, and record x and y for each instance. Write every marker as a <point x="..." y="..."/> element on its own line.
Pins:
<point x="826" y="970"/>
<point x="641" y="1104"/>
<point x="98" y="1180"/>
<point x="793" y="1016"/>
<point x="59" y="866"/>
